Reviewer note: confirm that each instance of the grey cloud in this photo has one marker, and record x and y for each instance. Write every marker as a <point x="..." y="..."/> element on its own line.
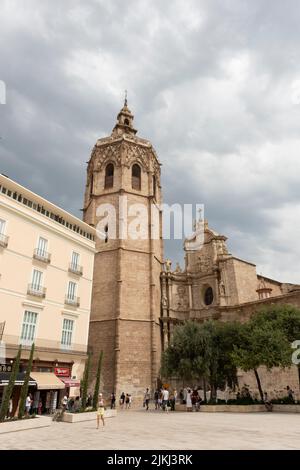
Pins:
<point x="210" y="84"/>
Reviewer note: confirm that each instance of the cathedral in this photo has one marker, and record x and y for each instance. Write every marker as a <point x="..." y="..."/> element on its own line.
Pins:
<point x="137" y="297"/>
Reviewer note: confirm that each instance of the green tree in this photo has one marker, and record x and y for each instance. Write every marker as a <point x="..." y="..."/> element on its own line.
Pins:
<point x="97" y="384"/>
<point x="24" y="390"/>
<point x="9" y="389"/>
<point x="203" y="351"/>
<point x="85" y="381"/>
<point x="185" y="355"/>
<point x="222" y="368"/>
<point x="285" y="318"/>
<point x="262" y="344"/>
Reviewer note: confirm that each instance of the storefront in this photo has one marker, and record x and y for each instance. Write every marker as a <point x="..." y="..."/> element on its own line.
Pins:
<point x="46" y="398"/>
<point x="72" y="386"/>
<point x="4" y="380"/>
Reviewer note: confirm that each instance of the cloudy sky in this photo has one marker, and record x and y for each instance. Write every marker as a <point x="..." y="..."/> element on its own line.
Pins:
<point x="214" y="84"/>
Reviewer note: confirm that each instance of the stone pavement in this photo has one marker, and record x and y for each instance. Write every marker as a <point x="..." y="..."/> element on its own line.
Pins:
<point x="158" y="430"/>
<point x="25" y="424"/>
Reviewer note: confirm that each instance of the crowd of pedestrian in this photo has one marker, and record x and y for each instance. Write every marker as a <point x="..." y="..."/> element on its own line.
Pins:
<point x="125" y="401"/>
<point x="165" y="399"/>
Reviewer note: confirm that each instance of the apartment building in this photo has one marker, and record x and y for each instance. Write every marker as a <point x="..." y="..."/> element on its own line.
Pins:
<point x="46" y="272"/>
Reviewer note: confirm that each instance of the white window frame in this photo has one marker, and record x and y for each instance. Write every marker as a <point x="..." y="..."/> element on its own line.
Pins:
<point x="77" y="257"/>
<point x="39" y="286"/>
<point x="3" y="225"/>
<point x="67" y="334"/>
<point x="73" y="291"/>
<point x="42" y="248"/>
<point x="29" y="327"/>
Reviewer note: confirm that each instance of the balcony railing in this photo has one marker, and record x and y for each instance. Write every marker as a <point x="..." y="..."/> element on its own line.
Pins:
<point x="36" y="290"/>
<point x="3" y="240"/>
<point x="75" y="269"/>
<point x="74" y="301"/>
<point x="42" y="255"/>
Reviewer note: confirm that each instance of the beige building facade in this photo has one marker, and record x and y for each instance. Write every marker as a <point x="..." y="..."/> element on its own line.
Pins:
<point x="46" y="271"/>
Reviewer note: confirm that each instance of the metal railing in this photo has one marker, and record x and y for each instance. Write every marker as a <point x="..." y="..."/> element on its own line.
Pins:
<point x="74" y="301"/>
<point x="36" y="290"/>
<point x="42" y="255"/>
<point x="3" y="240"/>
<point x="75" y="269"/>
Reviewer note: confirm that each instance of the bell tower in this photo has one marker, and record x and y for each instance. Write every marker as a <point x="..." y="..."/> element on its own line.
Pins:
<point x="123" y="173"/>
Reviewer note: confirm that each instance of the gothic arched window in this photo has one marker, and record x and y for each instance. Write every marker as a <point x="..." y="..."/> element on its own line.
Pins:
<point x="208" y="296"/>
<point x="109" y="176"/>
<point x="136" y="177"/>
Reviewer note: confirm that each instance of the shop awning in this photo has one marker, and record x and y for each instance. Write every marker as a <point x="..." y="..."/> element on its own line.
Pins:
<point x="47" y="381"/>
<point x="5" y="376"/>
<point x="70" y="382"/>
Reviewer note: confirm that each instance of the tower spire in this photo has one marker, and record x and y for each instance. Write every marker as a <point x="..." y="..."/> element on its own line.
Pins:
<point x="124" y="124"/>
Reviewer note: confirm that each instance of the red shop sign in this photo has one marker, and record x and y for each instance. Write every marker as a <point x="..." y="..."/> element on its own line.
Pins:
<point x="62" y="371"/>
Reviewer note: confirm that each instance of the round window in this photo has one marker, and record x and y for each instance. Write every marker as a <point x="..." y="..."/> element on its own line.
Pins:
<point x="208" y="296"/>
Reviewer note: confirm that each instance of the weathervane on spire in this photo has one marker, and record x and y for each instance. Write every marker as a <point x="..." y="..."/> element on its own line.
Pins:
<point x="125" y="100"/>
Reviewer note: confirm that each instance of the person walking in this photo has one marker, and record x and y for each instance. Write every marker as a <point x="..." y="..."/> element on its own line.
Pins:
<point x="127" y="401"/>
<point x="156" y="398"/>
<point x="89" y="401"/>
<point x="147" y="399"/>
<point x="28" y="404"/>
<point x="122" y="400"/>
<point x="172" y="401"/>
<point x="64" y="402"/>
<point x="195" y="399"/>
<point x="160" y="399"/>
<point x="100" y="411"/>
<point x="189" y="405"/>
<point x="165" y="399"/>
<point x="130" y="400"/>
<point x="112" y="401"/>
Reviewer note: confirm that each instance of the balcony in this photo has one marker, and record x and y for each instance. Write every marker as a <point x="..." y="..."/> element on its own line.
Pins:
<point x="75" y="269"/>
<point x="36" y="291"/>
<point x="42" y="255"/>
<point x="3" y="240"/>
<point x="73" y="301"/>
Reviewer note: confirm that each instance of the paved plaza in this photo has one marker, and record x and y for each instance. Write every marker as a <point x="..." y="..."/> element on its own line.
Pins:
<point x="157" y="430"/>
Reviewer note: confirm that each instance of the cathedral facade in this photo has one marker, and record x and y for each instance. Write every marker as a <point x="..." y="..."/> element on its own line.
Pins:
<point x="137" y="297"/>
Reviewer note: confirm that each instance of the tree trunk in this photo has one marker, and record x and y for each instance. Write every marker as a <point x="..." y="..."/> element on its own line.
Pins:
<point x="213" y="393"/>
<point x="259" y="384"/>
<point x="204" y="390"/>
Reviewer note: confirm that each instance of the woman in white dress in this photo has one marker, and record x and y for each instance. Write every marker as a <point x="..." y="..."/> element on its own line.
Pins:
<point x="189" y="405"/>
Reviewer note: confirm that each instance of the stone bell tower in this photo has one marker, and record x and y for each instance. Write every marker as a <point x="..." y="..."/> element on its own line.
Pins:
<point x="124" y="173"/>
